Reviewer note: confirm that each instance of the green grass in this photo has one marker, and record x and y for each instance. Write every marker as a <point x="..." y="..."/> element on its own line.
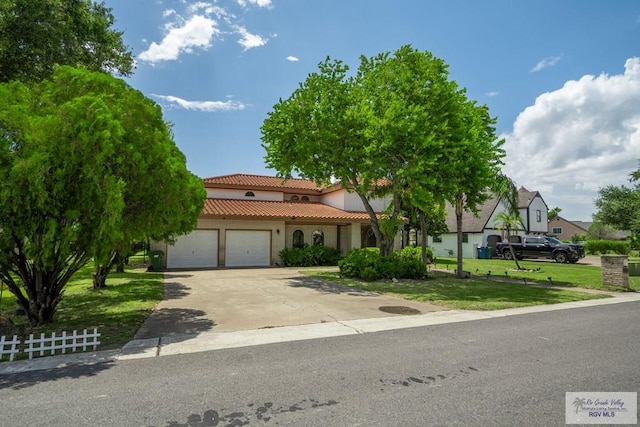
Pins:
<point x="468" y="294"/>
<point x="117" y="311"/>
<point x="567" y="275"/>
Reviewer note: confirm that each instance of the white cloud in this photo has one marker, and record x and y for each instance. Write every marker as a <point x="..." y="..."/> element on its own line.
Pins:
<point x="292" y="58"/>
<point x="259" y="3"/>
<point x="547" y="62"/>
<point x="198" y="32"/>
<point x="206" y="106"/>
<point x="248" y="40"/>
<point x="492" y="94"/>
<point x="578" y="139"/>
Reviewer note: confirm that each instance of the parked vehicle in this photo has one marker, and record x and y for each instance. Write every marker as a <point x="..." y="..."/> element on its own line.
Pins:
<point x="541" y="247"/>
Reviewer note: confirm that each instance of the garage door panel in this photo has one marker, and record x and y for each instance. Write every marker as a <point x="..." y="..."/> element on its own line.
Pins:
<point x="198" y="249"/>
<point x="248" y="248"/>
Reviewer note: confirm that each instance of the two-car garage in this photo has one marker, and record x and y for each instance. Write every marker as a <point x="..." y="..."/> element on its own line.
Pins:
<point x="201" y="249"/>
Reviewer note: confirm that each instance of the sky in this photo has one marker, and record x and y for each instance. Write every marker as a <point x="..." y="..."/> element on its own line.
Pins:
<point x="561" y="77"/>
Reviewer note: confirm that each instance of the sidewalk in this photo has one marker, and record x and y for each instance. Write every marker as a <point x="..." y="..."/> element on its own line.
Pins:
<point x="207" y="341"/>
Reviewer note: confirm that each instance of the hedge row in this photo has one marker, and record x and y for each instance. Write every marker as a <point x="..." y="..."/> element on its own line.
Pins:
<point x="596" y="247"/>
<point x="309" y="256"/>
<point x="368" y="265"/>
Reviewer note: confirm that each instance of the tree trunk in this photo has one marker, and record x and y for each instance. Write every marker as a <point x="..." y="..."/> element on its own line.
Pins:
<point x="459" y="200"/>
<point x="120" y="262"/>
<point x="386" y="246"/>
<point x="100" y="277"/>
<point x="423" y="237"/>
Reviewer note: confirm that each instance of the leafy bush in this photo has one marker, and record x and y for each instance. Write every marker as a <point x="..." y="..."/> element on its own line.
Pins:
<point x="370" y="274"/>
<point x="357" y="260"/>
<point x="310" y="256"/>
<point x="595" y="247"/>
<point x="415" y="252"/>
<point x="367" y="264"/>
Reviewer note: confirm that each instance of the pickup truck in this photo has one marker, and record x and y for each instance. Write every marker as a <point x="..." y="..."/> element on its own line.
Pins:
<point x="541" y="247"/>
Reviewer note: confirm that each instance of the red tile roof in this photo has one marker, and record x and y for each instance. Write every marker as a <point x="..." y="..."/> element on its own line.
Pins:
<point x="282" y="210"/>
<point x="259" y="181"/>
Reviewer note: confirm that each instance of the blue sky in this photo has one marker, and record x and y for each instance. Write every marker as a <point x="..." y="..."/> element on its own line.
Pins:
<point x="562" y="77"/>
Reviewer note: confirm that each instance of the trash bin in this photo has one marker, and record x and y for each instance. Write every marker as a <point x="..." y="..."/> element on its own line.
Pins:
<point x="634" y="269"/>
<point x="155" y="259"/>
<point x="482" y="253"/>
<point x="491" y="251"/>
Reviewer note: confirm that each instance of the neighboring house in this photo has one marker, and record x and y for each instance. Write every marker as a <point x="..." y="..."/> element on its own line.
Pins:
<point x="480" y="230"/>
<point x="564" y="229"/>
<point x="248" y="219"/>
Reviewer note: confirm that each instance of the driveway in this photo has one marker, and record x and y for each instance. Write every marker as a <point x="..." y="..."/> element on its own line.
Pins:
<point x="243" y="299"/>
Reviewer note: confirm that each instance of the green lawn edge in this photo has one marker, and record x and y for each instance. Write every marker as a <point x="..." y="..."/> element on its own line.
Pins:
<point x="117" y="311"/>
<point x="475" y="293"/>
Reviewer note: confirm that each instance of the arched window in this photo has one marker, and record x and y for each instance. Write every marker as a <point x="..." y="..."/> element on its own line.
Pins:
<point x="249" y="194"/>
<point x="318" y="238"/>
<point x="368" y="238"/>
<point x="294" y="198"/>
<point x="304" y="198"/>
<point x="298" y="239"/>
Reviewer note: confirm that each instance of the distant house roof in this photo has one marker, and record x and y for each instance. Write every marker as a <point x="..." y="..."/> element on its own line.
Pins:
<point x="470" y="222"/>
<point x="283" y="210"/>
<point x="580" y="224"/>
<point x="525" y="197"/>
<point x="239" y="180"/>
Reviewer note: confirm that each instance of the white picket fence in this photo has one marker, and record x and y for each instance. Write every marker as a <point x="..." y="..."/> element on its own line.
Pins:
<point x="50" y="344"/>
<point x="9" y="347"/>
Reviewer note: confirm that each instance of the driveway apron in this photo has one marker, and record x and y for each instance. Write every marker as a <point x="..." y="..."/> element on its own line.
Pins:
<point x="244" y="299"/>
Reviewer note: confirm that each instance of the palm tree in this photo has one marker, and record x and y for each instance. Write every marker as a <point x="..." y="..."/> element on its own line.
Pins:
<point x="507" y="223"/>
<point x="510" y="220"/>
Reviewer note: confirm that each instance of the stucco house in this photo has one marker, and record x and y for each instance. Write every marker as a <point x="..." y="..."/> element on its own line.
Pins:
<point x="248" y="219"/>
<point x="481" y="231"/>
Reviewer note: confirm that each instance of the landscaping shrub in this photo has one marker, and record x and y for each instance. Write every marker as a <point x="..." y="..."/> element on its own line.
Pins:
<point x="596" y="247"/>
<point x="415" y="252"/>
<point x="357" y="260"/>
<point x="367" y="264"/>
<point x="310" y="256"/>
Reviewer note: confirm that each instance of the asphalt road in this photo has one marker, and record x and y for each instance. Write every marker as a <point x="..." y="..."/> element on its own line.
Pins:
<point x="495" y="372"/>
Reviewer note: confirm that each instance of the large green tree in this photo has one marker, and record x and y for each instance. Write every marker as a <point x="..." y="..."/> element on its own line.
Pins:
<point x="68" y="146"/>
<point x="476" y="156"/>
<point x="37" y="35"/>
<point x="385" y="131"/>
<point x="619" y="206"/>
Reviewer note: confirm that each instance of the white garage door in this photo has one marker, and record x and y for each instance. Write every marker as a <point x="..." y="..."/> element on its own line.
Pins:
<point x="198" y="249"/>
<point x="248" y="248"/>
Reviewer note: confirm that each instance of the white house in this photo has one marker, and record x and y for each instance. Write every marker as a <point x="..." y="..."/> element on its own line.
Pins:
<point x="480" y="230"/>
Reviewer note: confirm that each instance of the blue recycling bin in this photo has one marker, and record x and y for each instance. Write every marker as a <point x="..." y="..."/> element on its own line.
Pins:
<point x="483" y="253"/>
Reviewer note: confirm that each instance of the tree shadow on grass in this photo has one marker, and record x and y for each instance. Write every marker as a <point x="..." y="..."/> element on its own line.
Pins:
<point x="22" y="380"/>
<point x="173" y="322"/>
<point x="328" y="287"/>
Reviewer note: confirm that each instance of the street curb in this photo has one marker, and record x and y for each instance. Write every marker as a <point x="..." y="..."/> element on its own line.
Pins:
<point x="208" y="341"/>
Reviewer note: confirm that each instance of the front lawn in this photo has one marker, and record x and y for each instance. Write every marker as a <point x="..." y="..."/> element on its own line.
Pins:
<point x="117" y="311"/>
<point x="469" y="294"/>
<point x="543" y="271"/>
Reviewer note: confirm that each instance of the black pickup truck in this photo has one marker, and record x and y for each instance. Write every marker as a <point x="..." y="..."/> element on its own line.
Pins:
<point x="541" y="247"/>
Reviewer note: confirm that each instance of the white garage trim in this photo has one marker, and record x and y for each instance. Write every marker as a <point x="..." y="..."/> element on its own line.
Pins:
<point x="198" y="249"/>
<point x="247" y="248"/>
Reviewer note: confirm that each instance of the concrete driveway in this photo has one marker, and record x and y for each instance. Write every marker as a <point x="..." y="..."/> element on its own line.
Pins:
<point x="243" y="299"/>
